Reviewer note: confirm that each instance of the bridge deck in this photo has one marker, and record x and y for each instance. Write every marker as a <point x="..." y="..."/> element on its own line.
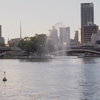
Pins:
<point x="76" y="50"/>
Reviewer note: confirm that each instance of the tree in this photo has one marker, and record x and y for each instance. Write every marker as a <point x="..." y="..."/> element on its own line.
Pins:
<point x="35" y="44"/>
<point x="2" y="44"/>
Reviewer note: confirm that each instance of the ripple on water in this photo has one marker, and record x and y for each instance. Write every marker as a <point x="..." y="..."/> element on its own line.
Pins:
<point x="61" y="78"/>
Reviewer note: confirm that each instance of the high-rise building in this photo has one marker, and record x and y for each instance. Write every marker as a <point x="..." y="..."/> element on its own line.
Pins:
<point x="62" y="34"/>
<point x="87" y="32"/>
<point x="1" y="38"/>
<point x="79" y="35"/>
<point x="65" y="35"/>
<point x="87" y="13"/>
<point x="76" y="37"/>
<point x="54" y="37"/>
<point x="87" y="22"/>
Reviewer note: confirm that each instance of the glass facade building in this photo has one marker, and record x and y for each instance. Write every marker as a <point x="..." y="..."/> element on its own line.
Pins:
<point x="87" y="13"/>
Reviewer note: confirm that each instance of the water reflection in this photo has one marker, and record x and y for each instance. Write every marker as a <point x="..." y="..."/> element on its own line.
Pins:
<point x="35" y="60"/>
<point x="89" y="81"/>
<point x="62" y="78"/>
<point x="89" y="60"/>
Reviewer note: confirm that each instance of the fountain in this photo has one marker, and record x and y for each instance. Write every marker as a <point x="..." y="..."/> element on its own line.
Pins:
<point x="62" y="43"/>
<point x="60" y="38"/>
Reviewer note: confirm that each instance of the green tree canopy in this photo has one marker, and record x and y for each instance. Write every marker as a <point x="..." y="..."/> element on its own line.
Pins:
<point x="36" y="44"/>
<point x="2" y="44"/>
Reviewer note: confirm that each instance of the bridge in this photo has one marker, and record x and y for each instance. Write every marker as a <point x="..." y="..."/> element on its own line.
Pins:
<point x="4" y="50"/>
<point x="69" y="51"/>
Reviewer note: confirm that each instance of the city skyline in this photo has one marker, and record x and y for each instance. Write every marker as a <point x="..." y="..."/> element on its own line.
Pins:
<point x="39" y="16"/>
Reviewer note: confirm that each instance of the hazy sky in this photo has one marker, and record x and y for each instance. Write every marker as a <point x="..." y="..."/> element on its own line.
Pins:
<point x="37" y="16"/>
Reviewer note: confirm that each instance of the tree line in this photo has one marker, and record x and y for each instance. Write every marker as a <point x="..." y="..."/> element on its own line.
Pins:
<point x="37" y="44"/>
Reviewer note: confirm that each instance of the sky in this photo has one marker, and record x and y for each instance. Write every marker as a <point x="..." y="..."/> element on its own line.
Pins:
<point x="38" y="16"/>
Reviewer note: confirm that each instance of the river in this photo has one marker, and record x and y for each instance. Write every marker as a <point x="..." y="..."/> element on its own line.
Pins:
<point x="61" y="78"/>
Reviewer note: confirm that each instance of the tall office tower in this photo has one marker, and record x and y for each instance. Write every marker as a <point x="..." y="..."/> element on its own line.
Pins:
<point x="65" y="35"/>
<point x="54" y="37"/>
<point x="79" y="35"/>
<point x="87" y="13"/>
<point x="67" y="30"/>
<point x="87" y="21"/>
<point x="1" y="38"/>
<point x="76" y="37"/>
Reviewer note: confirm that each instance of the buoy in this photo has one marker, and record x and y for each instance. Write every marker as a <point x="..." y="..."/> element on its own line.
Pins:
<point x="4" y="79"/>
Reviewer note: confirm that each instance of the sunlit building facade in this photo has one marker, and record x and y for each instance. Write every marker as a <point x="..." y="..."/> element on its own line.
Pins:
<point x="79" y="35"/>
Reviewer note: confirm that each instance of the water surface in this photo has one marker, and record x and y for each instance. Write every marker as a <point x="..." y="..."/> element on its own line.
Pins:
<point x="61" y="78"/>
